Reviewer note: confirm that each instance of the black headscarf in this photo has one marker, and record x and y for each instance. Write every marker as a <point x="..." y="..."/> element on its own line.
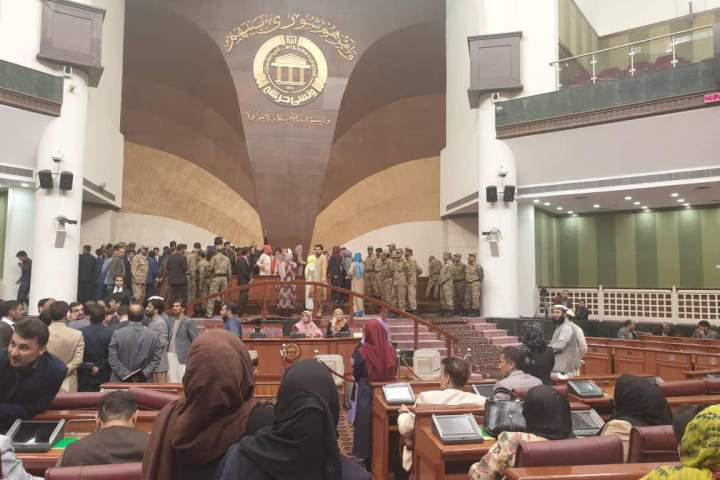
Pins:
<point x="640" y="402"/>
<point x="302" y="442"/>
<point x="534" y="340"/>
<point x="547" y="413"/>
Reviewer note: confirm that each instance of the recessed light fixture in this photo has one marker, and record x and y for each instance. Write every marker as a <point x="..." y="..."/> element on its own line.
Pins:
<point x="558" y="208"/>
<point x="536" y="201"/>
<point x="570" y="212"/>
<point x="24" y="185"/>
<point x="574" y="214"/>
<point x="681" y="200"/>
<point x="547" y="204"/>
<point x="596" y="206"/>
<point x="636" y="203"/>
<point x="645" y="207"/>
<point x="628" y="198"/>
<point x="674" y="195"/>
<point x="687" y="205"/>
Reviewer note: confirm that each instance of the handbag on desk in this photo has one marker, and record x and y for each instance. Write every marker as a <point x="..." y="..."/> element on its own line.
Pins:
<point x="504" y="415"/>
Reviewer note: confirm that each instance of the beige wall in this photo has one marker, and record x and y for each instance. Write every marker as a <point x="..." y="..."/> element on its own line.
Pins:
<point x="165" y="185"/>
<point x="409" y="192"/>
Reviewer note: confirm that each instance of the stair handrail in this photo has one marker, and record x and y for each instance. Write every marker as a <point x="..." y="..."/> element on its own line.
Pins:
<point x="385" y="308"/>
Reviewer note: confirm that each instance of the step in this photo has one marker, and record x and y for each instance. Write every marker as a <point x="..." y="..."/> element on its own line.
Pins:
<point x="494" y="333"/>
<point x="505" y="340"/>
<point x="408" y="337"/>
<point x="482" y="326"/>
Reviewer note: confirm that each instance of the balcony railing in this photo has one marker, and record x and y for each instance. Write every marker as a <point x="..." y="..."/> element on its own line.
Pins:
<point x="649" y="305"/>
<point x="659" y="53"/>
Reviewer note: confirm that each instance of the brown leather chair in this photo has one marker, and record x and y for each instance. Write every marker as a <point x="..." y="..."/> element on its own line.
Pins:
<point x="523" y="392"/>
<point x="152" y="399"/>
<point x="76" y="401"/>
<point x="653" y="445"/>
<point x="120" y="471"/>
<point x="574" y="451"/>
<point x="683" y="388"/>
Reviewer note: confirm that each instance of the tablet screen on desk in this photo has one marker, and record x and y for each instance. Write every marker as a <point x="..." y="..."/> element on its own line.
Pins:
<point x="34" y="432"/>
<point x="456" y="428"/>
<point x="484" y="390"/>
<point x="399" y="393"/>
<point x="585" y="388"/>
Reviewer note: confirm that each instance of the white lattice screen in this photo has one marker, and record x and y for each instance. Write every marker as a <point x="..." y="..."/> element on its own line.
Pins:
<point x="699" y="305"/>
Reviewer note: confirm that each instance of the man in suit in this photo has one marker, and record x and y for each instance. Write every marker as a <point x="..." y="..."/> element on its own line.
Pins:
<point x="177" y="269"/>
<point x="512" y="376"/>
<point x="244" y="276"/>
<point x="115" y="267"/>
<point x="86" y="275"/>
<point x="95" y="369"/>
<point x="115" y="441"/>
<point x="30" y="376"/>
<point x="120" y="293"/>
<point x="159" y="325"/>
<point x="65" y="343"/>
<point x="76" y="317"/>
<point x="134" y="348"/>
<point x="183" y="331"/>
<point x="12" y="312"/>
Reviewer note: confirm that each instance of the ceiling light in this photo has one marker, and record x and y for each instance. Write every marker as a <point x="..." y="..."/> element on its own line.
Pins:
<point x="645" y="207"/>
<point x="536" y="201"/>
<point x="25" y="185"/>
<point x="687" y="204"/>
<point x="628" y="198"/>
<point x="681" y="200"/>
<point x="674" y="195"/>
<point x="596" y="206"/>
<point x="574" y="214"/>
<point x="636" y="203"/>
<point x="547" y="204"/>
<point x="558" y="208"/>
<point x="570" y="212"/>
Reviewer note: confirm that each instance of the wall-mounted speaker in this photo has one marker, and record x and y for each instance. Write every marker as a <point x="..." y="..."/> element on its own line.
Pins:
<point x="491" y="194"/>
<point x="60" y="238"/>
<point x="46" y="179"/>
<point x="66" y="180"/>
<point x="509" y="193"/>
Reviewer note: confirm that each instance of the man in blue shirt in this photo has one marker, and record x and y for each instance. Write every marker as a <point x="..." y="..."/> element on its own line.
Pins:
<point x="230" y="315"/>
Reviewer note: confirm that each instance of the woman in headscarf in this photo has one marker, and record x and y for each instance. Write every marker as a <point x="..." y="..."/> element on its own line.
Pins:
<point x="638" y="403"/>
<point x="300" y="260"/>
<point x="538" y="359"/>
<point x="699" y="450"/>
<point x="302" y="441"/>
<point x="547" y="416"/>
<point x="373" y="361"/>
<point x="307" y="327"/>
<point x="338" y="324"/>
<point x="312" y="274"/>
<point x="336" y="272"/>
<point x="265" y="262"/>
<point x="286" y="293"/>
<point x="191" y="434"/>
<point x="356" y="273"/>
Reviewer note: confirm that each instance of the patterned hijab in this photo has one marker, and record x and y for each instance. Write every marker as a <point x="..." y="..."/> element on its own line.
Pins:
<point x="359" y="269"/>
<point x="699" y="450"/>
<point x="534" y="338"/>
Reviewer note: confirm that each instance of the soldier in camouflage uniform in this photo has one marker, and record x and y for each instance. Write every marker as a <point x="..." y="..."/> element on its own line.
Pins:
<point x="192" y="261"/>
<point x="203" y="275"/>
<point x="447" y="292"/>
<point x="413" y="272"/>
<point x="459" y="273"/>
<point x="399" y="279"/>
<point x="219" y="276"/>
<point x="139" y="269"/>
<point x="473" y="276"/>
<point x="387" y="278"/>
<point x="432" y="292"/>
<point x="377" y="279"/>
<point x="370" y="272"/>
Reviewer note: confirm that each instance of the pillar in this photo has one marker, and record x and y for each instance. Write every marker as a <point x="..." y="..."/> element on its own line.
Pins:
<point x="55" y="270"/>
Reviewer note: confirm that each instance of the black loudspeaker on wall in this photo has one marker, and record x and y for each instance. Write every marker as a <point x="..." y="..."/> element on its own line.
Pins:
<point x="46" y="179"/>
<point x="66" y="180"/>
<point x="491" y="194"/>
<point x="509" y="193"/>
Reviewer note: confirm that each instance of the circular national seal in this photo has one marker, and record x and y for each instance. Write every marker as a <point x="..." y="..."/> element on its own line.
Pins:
<point x="290" y="70"/>
<point x="292" y="351"/>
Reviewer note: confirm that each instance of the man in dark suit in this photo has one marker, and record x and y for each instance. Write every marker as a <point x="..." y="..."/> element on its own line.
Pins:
<point x="177" y="268"/>
<point x="95" y="369"/>
<point x="119" y="292"/>
<point x="244" y="276"/>
<point x="30" y="376"/>
<point x="86" y="275"/>
<point x="134" y="347"/>
<point x="116" y="440"/>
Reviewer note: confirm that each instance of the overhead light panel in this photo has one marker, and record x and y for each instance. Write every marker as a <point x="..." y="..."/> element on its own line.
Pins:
<point x="636" y="203"/>
<point x="596" y="206"/>
<point x="674" y="195"/>
<point x="628" y="198"/>
<point x="547" y="204"/>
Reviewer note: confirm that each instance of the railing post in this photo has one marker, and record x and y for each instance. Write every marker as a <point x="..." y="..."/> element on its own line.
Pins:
<point x="416" y="333"/>
<point x="601" y="303"/>
<point x="632" y="61"/>
<point x="674" y="60"/>
<point x="675" y="305"/>
<point x="593" y="62"/>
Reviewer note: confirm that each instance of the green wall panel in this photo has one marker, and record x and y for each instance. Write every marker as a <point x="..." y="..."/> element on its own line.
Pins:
<point x="606" y="251"/>
<point x="625" y="260"/>
<point x="646" y="257"/>
<point x="587" y="251"/>
<point x="691" y="270"/>
<point x="710" y="221"/>
<point x="668" y="260"/>
<point x="568" y="251"/>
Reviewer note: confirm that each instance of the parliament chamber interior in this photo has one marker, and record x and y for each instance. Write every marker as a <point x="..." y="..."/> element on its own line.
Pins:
<point x="351" y="240"/>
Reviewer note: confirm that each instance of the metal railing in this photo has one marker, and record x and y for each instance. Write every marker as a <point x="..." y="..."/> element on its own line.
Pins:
<point x="269" y="286"/>
<point x="669" y="51"/>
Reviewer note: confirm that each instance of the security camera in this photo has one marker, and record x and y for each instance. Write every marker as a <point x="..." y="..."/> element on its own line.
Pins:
<point x="502" y="173"/>
<point x="63" y="220"/>
<point x="67" y="71"/>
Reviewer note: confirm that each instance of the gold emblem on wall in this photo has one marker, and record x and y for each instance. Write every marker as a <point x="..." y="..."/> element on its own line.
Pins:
<point x="292" y="351"/>
<point x="290" y="70"/>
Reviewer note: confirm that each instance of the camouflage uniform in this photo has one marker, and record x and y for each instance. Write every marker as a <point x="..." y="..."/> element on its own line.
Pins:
<point x="378" y="278"/>
<point x="139" y="269"/>
<point x="459" y="282"/>
<point x="447" y="303"/>
<point x="192" y="261"/>
<point x="370" y="273"/>
<point x="203" y="277"/>
<point x="473" y="276"/>
<point x="219" y="276"/>
<point x="433" y="286"/>
<point x="387" y="279"/>
<point x="413" y="272"/>
<point x="399" y="279"/>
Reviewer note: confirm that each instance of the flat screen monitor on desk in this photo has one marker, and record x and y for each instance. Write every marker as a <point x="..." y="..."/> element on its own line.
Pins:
<point x="585" y="389"/>
<point x="453" y="429"/>
<point x="399" y="394"/>
<point x="484" y="390"/>
<point x="586" y="423"/>
<point x="30" y="436"/>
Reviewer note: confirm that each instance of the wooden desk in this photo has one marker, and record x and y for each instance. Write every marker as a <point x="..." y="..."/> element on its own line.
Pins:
<point x="175" y="388"/>
<point x="437" y="461"/>
<point x="603" y="407"/>
<point x="38" y="463"/>
<point x="627" y="471"/>
<point x="83" y="421"/>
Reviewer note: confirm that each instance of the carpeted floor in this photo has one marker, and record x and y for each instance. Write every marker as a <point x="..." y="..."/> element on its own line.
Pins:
<point x="345" y="433"/>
